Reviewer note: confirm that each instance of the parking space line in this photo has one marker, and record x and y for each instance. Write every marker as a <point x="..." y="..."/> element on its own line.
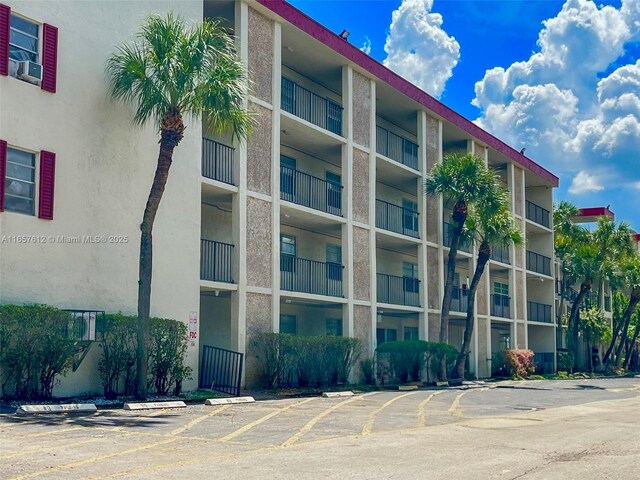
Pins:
<point x="422" y="414"/>
<point x="198" y="420"/>
<point x="455" y="409"/>
<point x="261" y="420"/>
<point x="312" y="423"/>
<point x="368" y="427"/>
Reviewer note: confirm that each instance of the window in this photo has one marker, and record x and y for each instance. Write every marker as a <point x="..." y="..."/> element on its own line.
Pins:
<point x="334" y="327"/>
<point x="410" y="276"/>
<point x="334" y="262"/>
<point x="410" y="334"/>
<point x="20" y="182"/>
<point x="287" y="177"/>
<point x="410" y="217"/>
<point x="334" y="190"/>
<point x="501" y="289"/>
<point x="287" y="253"/>
<point x="386" y="335"/>
<point x="288" y="324"/>
<point x="23" y="40"/>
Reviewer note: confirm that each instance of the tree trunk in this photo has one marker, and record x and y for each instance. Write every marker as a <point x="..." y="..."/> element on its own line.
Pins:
<point x="574" y="321"/>
<point x="459" y="217"/>
<point x="626" y="320"/>
<point x="483" y="257"/>
<point x="612" y="345"/>
<point x="627" y="359"/>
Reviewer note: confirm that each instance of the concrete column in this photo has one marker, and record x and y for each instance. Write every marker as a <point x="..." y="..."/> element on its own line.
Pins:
<point x="423" y="264"/>
<point x="275" y="176"/>
<point x="347" y="175"/>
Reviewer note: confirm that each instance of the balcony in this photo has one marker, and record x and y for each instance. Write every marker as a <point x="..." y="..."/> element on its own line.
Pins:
<point x="500" y="306"/>
<point x="217" y="161"/>
<point x="309" y="276"/>
<point x="447" y="232"/>
<point x="398" y="290"/>
<point x="397" y="148"/>
<point x="459" y="300"/>
<point x="309" y="191"/>
<point x="395" y="218"/>
<point x="538" y="263"/>
<point x="311" y="107"/>
<point x="539" y="312"/>
<point x="500" y="253"/>
<point x="215" y="261"/>
<point x="537" y="214"/>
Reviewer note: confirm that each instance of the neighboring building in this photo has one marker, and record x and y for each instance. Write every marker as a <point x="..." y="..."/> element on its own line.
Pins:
<point x="316" y="226"/>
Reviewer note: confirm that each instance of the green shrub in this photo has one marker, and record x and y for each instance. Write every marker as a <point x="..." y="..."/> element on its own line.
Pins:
<point x="169" y="343"/>
<point x="288" y="360"/>
<point x="118" y="361"/>
<point x="367" y="371"/>
<point x="401" y="361"/>
<point x="565" y="361"/>
<point x="35" y="349"/>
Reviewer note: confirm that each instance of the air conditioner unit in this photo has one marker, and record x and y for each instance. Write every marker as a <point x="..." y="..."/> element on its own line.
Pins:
<point x="30" y="71"/>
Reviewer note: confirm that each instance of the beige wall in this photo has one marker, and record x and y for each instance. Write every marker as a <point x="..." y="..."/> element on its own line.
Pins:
<point x="362" y="328"/>
<point x="311" y="320"/>
<point x="215" y="320"/>
<point x="216" y="223"/>
<point x="433" y="278"/>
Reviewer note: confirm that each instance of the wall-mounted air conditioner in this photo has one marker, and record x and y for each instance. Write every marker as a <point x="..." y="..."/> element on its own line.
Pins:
<point x="30" y="71"/>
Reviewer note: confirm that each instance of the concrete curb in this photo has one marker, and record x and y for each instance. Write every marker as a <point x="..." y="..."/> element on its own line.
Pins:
<point x="154" y="405"/>
<point x="229" y="401"/>
<point x="64" y="408"/>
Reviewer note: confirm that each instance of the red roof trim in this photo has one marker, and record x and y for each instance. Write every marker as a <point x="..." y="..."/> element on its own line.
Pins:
<point x="596" y="212"/>
<point x="637" y="237"/>
<point x="344" y="48"/>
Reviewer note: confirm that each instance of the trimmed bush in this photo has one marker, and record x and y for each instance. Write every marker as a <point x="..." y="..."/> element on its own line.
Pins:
<point x="35" y="349"/>
<point x="565" y="361"/>
<point x="400" y="362"/>
<point x="292" y="360"/>
<point x="167" y="348"/>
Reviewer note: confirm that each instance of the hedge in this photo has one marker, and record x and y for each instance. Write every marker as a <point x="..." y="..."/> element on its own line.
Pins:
<point x="400" y="362"/>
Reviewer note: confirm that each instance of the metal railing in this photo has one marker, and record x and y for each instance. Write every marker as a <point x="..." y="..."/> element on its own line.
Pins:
<point x="397" y="219"/>
<point x="539" y="312"/>
<point x="500" y="305"/>
<point x="85" y="325"/>
<point x="459" y="300"/>
<point x="398" y="290"/>
<point x="607" y="303"/>
<point x="538" y="263"/>
<point x="311" y="107"/>
<point x="221" y="370"/>
<point x="217" y="161"/>
<point x="543" y="362"/>
<point x="215" y="261"/>
<point x="500" y="253"/>
<point x="447" y="235"/>
<point x="309" y="191"/>
<point x="396" y="147"/>
<point x="537" y="214"/>
<point x="310" y="276"/>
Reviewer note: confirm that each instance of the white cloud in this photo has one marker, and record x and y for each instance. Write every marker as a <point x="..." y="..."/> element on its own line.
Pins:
<point x="566" y="104"/>
<point x="584" y="183"/>
<point x="366" y="46"/>
<point x="418" y="48"/>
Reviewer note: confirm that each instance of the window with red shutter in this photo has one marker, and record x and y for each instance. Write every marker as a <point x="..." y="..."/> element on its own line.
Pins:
<point x="3" y="171"/>
<point x="49" y="58"/>
<point x="5" y="18"/>
<point x="47" y="182"/>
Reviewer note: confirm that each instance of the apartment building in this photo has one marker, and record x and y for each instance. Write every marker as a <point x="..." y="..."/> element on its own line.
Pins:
<point x="317" y="225"/>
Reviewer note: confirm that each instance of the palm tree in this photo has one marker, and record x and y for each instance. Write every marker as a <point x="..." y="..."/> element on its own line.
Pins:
<point x="168" y="72"/>
<point x="492" y="225"/>
<point x="461" y="180"/>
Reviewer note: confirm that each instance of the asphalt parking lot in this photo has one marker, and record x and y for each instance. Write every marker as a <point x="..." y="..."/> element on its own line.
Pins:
<point x="506" y="430"/>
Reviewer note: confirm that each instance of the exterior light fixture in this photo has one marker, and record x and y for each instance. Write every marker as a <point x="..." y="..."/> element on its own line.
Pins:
<point x="345" y="34"/>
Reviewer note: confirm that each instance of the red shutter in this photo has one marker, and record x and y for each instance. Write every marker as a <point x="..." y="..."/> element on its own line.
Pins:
<point x="5" y="18"/>
<point x="47" y="181"/>
<point x="3" y="171"/>
<point x="49" y="58"/>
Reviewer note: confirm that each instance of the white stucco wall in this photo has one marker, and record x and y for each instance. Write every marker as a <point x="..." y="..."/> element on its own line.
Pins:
<point x="104" y="169"/>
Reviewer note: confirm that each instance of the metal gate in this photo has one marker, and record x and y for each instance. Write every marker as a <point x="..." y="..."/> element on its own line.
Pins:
<point x="221" y="370"/>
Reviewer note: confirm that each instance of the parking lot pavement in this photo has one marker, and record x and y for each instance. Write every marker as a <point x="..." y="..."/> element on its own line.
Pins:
<point x="130" y="444"/>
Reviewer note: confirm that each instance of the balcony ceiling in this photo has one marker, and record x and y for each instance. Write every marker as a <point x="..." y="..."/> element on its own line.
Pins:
<point x="396" y="108"/>
<point x="302" y="137"/>
<point x="301" y="218"/>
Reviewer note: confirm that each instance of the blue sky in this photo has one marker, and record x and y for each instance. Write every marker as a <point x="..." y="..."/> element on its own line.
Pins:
<point x="567" y="86"/>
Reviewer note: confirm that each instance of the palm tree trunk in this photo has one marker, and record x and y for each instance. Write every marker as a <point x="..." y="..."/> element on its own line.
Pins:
<point x="146" y="263"/>
<point x="459" y="217"/>
<point x="633" y="303"/>
<point x="483" y="257"/>
<point x="627" y="358"/>
<point x="574" y="321"/>
<point x="612" y="345"/>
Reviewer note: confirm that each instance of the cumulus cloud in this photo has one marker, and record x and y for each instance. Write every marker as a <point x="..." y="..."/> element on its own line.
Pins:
<point x="418" y="48"/>
<point x="366" y="46"/>
<point x="572" y="104"/>
<point x="584" y="183"/>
